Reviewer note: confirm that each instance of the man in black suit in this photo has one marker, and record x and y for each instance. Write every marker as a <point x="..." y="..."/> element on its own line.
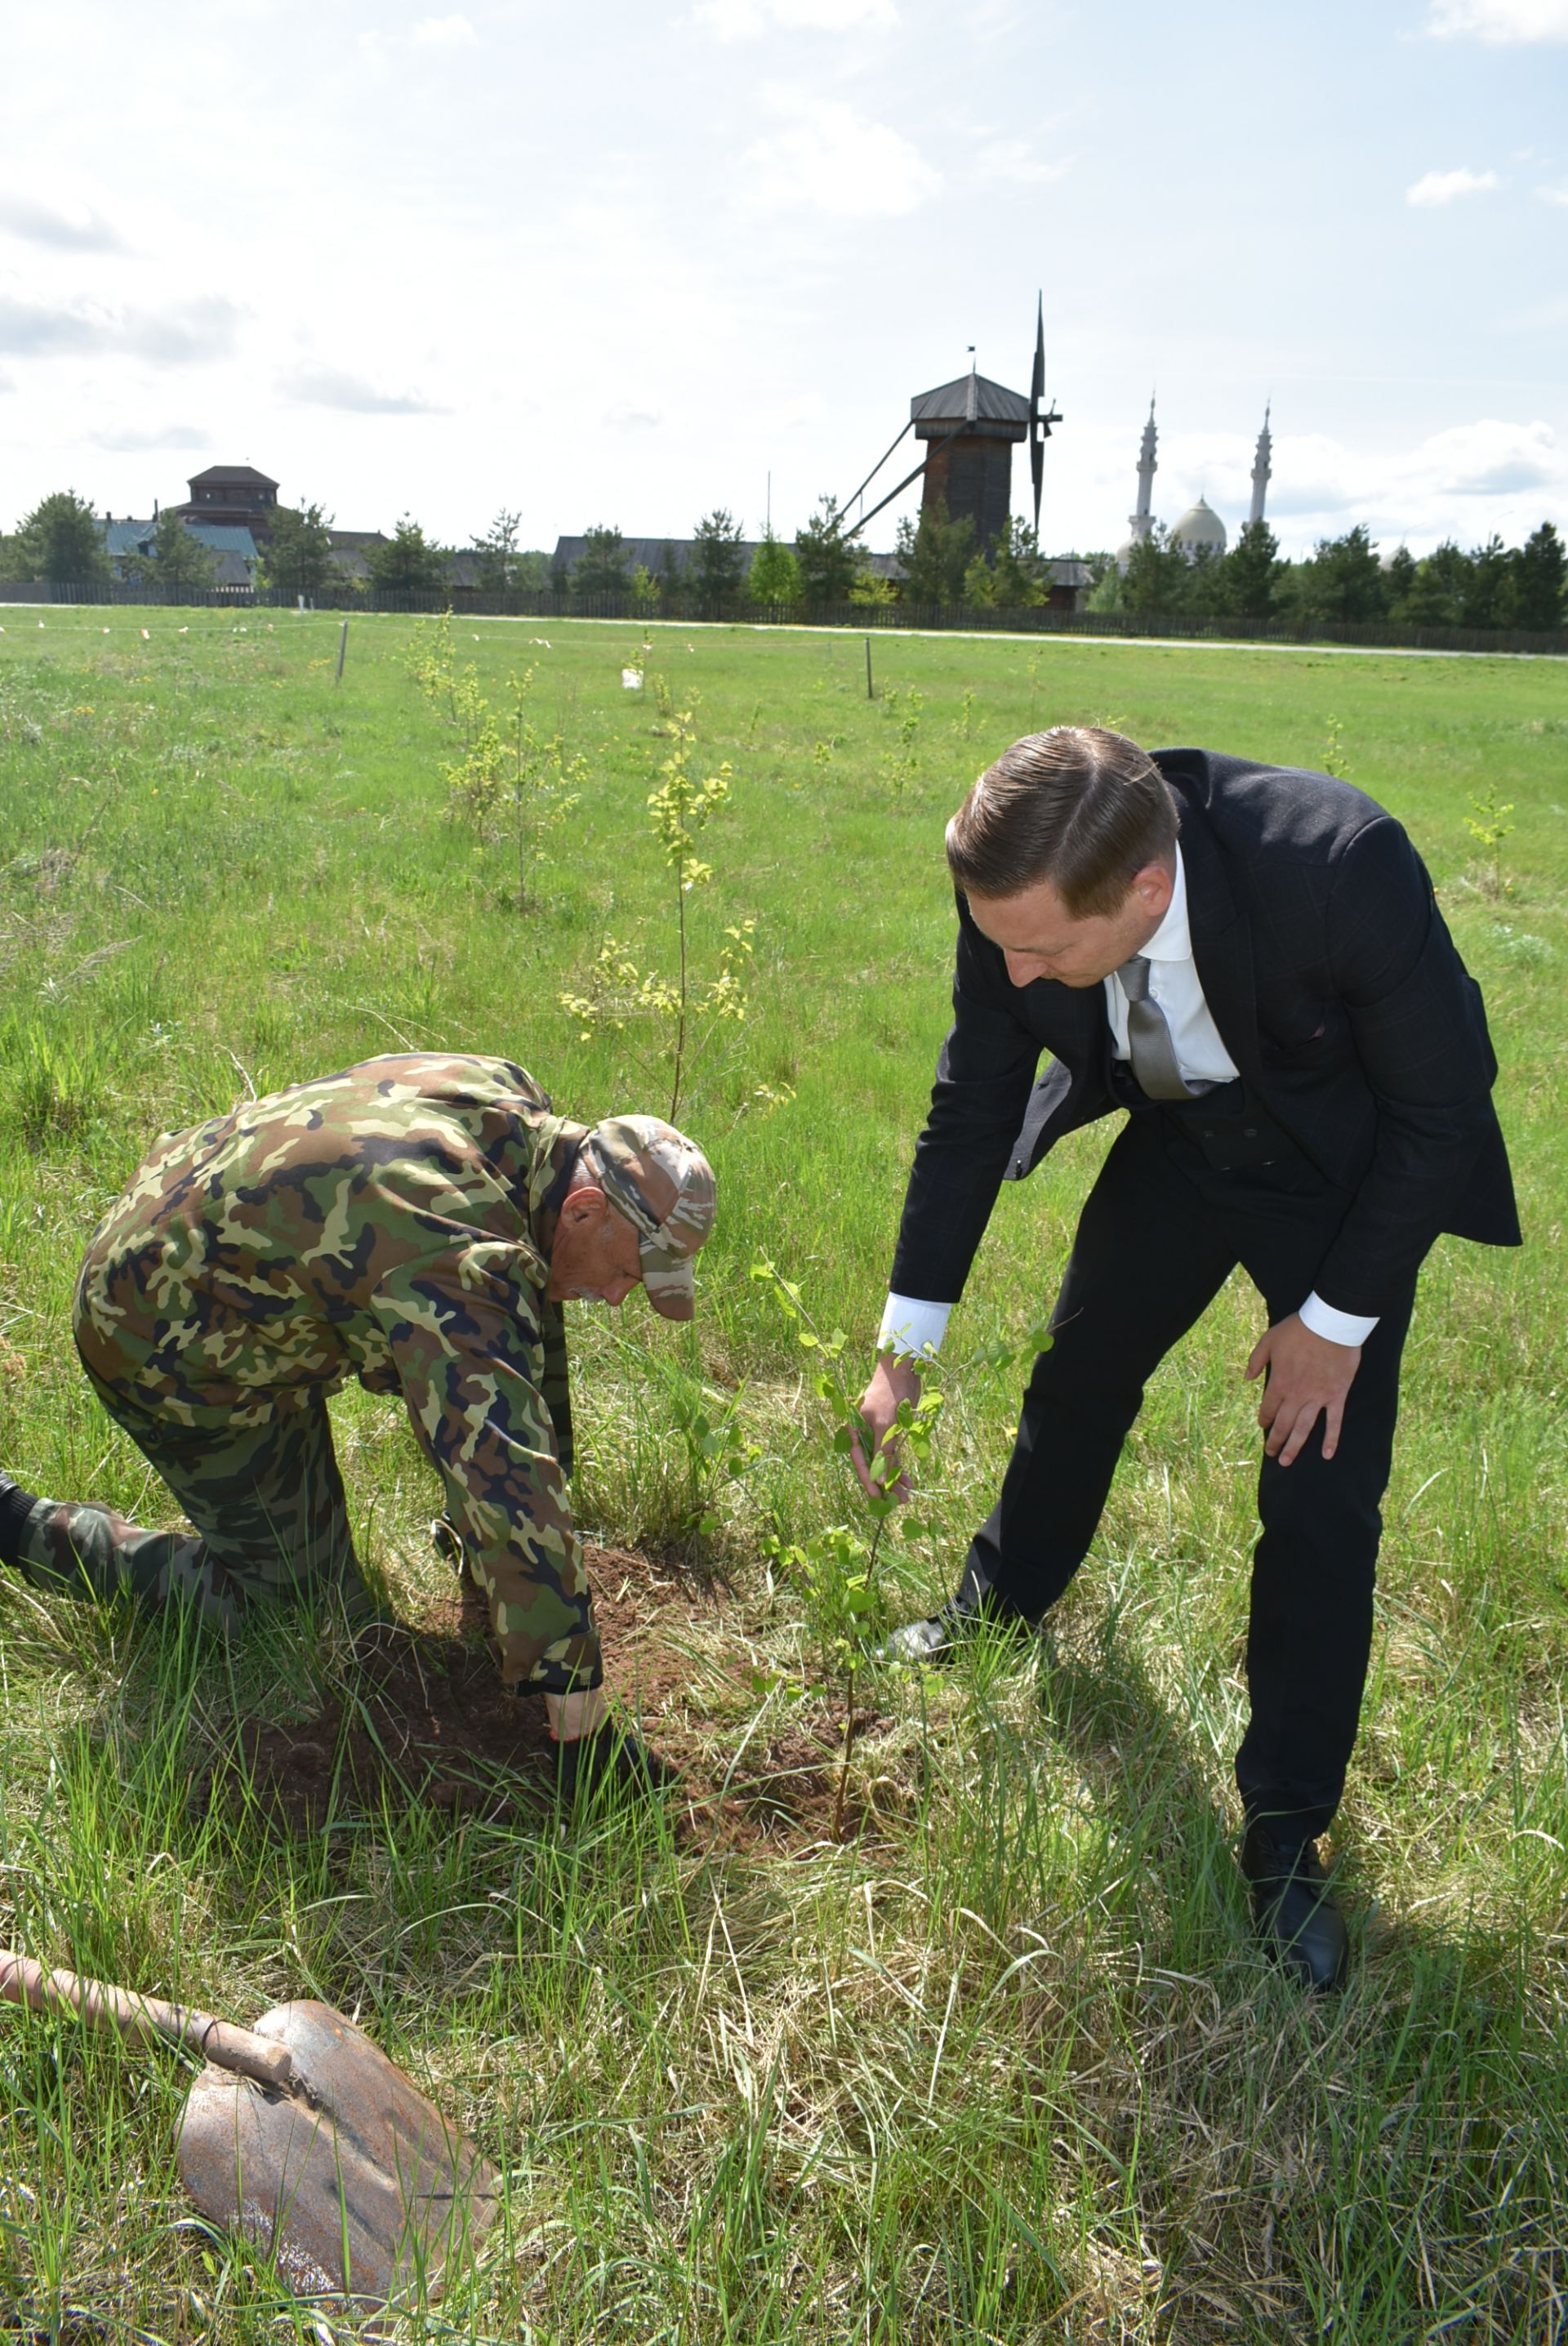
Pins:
<point x="1248" y="961"/>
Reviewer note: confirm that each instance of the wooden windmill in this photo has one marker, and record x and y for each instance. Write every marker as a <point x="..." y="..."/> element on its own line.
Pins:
<point x="971" y="427"/>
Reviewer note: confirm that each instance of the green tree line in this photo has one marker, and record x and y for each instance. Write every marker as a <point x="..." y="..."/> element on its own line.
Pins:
<point x="1344" y="578"/>
<point x="63" y="541"/>
<point x="942" y="563"/>
<point x="1494" y="586"/>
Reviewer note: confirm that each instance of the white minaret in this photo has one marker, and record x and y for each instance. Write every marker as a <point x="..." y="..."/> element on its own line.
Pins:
<point x="1142" y="521"/>
<point x="1261" y="468"/>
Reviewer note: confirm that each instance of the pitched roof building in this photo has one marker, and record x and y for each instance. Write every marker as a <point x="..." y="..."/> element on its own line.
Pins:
<point x="234" y="551"/>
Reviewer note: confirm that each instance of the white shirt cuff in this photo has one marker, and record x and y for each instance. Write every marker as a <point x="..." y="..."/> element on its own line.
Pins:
<point x="1337" y="1327"/>
<point x="910" y="1326"/>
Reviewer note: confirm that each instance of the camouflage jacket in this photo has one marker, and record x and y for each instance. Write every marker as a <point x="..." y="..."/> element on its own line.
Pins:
<point x="392" y="1223"/>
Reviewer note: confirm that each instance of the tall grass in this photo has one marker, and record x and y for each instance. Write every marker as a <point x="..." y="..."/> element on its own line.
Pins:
<point x="1007" y="2066"/>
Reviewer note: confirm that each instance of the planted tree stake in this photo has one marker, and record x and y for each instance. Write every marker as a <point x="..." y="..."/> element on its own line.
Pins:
<point x="343" y="647"/>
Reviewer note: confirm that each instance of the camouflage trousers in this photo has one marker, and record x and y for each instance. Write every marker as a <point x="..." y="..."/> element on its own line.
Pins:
<point x="266" y="1500"/>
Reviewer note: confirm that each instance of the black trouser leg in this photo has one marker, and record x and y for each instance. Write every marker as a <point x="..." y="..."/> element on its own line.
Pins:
<point x="1313" y="1574"/>
<point x="1158" y="1234"/>
<point x="1146" y="1259"/>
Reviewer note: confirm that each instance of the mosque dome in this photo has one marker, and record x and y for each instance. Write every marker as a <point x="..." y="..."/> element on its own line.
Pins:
<point x="1200" y="526"/>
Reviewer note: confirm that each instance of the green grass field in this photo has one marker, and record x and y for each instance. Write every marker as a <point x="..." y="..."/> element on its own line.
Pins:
<point x="1005" y="2064"/>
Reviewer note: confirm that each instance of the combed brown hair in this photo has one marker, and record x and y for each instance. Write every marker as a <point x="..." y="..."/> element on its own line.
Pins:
<point x="1080" y="807"/>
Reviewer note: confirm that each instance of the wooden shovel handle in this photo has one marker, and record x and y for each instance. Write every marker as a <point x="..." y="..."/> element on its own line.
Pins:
<point x="22" y="1981"/>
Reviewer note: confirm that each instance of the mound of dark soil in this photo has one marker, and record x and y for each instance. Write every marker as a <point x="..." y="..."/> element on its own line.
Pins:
<point x="425" y="1717"/>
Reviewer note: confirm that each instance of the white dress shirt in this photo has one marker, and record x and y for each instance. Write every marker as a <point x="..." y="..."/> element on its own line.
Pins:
<point x="912" y="1325"/>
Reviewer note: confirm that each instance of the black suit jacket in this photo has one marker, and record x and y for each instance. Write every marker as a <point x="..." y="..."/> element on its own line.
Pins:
<point x="1338" y="991"/>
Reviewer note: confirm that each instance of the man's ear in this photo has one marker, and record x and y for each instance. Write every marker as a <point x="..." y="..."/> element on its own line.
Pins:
<point x="584" y="1208"/>
<point x="1154" y="887"/>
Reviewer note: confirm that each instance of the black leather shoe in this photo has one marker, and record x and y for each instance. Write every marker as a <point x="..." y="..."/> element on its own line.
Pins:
<point x="608" y="1756"/>
<point x="934" y="1643"/>
<point x="1293" y="1911"/>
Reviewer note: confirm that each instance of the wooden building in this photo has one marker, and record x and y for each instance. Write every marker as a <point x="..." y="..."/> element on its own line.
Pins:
<point x="972" y="425"/>
<point x="233" y="496"/>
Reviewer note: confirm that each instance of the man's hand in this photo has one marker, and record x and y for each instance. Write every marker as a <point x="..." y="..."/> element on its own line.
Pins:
<point x="1308" y="1376"/>
<point x="894" y="1381"/>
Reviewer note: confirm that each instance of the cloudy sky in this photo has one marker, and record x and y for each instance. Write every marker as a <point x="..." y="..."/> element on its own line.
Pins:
<point x="622" y="263"/>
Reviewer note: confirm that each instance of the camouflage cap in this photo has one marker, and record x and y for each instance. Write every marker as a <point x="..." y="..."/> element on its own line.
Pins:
<point x="662" y="1184"/>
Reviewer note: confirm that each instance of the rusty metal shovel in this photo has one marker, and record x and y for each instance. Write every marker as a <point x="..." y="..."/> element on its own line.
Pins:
<point x="303" y="2136"/>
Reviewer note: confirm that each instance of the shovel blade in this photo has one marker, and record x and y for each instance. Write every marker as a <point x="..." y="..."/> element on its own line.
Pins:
<point x="357" y="2186"/>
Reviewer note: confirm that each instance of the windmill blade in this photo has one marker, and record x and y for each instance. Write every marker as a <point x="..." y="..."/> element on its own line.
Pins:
<point x="1036" y="401"/>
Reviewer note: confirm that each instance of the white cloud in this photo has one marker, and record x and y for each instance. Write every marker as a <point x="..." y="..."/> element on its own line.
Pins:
<point x="1015" y="163"/>
<point x="742" y="20"/>
<point x="1557" y="194"/>
<point x="452" y="33"/>
<point x="170" y="436"/>
<point x="1462" y="483"/>
<point x="177" y="334"/>
<point x="1500" y="22"/>
<point x="72" y="227"/>
<point x="830" y="157"/>
<point x="790" y="414"/>
<point x="443" y="32"/>
<point x="1490" y="459"/>
<point x="626" y="417"/>
<point x="325" y="386"/>
<point x="1445" y="187"/>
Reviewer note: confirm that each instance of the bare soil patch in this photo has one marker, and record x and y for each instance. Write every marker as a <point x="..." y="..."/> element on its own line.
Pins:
<point x="425" y="1718"/>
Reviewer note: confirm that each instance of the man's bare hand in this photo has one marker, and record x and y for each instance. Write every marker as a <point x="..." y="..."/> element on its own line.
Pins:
<point x="1308" y="1377"/>
<point x="894" y="1381"/>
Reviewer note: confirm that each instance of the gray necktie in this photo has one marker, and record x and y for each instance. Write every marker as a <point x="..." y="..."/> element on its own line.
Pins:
<point x="1149" y="1041"/>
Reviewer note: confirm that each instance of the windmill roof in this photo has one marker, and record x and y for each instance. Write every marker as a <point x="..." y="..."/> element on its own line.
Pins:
<point x="992" y="402"/>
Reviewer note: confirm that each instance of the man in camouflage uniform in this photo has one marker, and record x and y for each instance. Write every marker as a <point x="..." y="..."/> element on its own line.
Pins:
<point x="418" y="1222"/>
